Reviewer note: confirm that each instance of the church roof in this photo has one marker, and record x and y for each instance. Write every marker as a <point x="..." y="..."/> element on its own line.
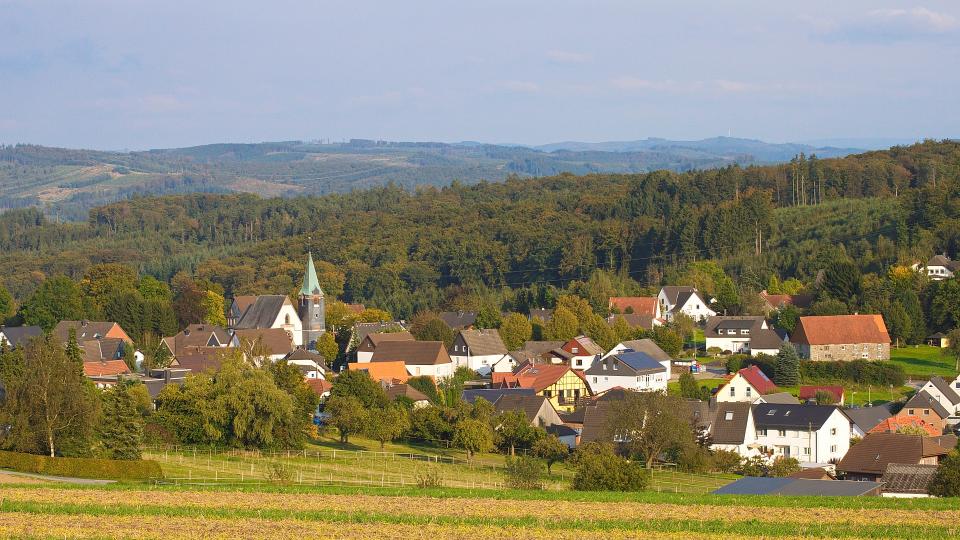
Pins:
<point x="311" y="285"/>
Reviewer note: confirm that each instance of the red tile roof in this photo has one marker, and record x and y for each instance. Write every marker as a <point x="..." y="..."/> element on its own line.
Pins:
<point x="379" y="371"/>
<point x="841" y="329"/>
<point x="758" y="379"/>
<point x="895" y="423"/>
<point x="810" y="392"/>
<point x="776" y="301"/>
<point x="320" y="386"/>
<point x="106" y="367"/>
<point x="536" y="376"/>
<point x="642" y="305"/>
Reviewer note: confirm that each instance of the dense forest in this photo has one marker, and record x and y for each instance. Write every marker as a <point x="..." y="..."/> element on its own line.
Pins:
<point x="516" y="243"/>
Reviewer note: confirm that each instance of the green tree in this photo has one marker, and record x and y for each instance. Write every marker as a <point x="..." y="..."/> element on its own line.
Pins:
<point x="388" y="424"/>
<point x="688" y="386"/>
<point x="945" y="306"/>
<point x="515" y="430"/>
<point x="425" y="384"/>
<point x="787" y="371"/>
<point x="56" y="299"/>
<point x="783" y="466"/>
<point x="73" y="351"/>
<point x="946" y="482"/>
<point x="488" y="317"/>
<point x="105" y="279"/>
<point x="359" y="385"/>
<point x="550" y="449"/>
<point x="429" y="327"/>
<point x="347" y="415"/>
<point x="151" y="288"/>
<point x="515" y="329"/>
<point x="841" y="281"/>
<point x="954" y="348"/>
<point x="829" y="306"/>
<point x="7" y="305"/>
<point x="668" y="340"/>
<point x="121" y="431"/>
<point x="651" y="423"/>
<point x="562" y="326"/>
<point x="287" y="377"/>
<point x="212" y="304"/>
<point x="599" y="468"/>
<point x="328" y="348"/>
<point x="249" y="408"/>
<point x="786" y="318"/>
<point x="473" y="436"/>
<point x="523" y="472"/>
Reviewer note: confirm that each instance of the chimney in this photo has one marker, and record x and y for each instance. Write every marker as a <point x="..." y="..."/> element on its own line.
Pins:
<point x="166" y="375"/>
<point x="186" y="331"/>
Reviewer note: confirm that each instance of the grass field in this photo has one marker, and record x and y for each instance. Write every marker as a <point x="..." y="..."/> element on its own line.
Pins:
<point x="128" y="511"/>
<point x="924" y="360"/>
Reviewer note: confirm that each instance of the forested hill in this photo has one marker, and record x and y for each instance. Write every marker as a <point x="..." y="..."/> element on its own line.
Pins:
<point x="515" y="240"/>
<point x="67" y="183"/>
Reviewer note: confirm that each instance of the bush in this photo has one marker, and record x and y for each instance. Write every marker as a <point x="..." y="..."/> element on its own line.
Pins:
<point x="279" y="473"/>
<point x="726" y="461"/>
<point x="600" y="469"/>
<point x="783" y="466"/>
<point x="107" y="469"/>
<point x="734" y="363"/>
<point x="427" y="477"/>
<point x="862" y="372"/>
<point x="523" y="472"/>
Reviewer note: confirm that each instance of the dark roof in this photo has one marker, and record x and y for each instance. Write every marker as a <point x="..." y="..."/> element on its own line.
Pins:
<point x="483" y="342"/>
<point x="19" y="335"/>
<point x="85" y="330"/>
<point x="530" y="405"/>
<point x="595" y="422"/>
<point x="777" y="415"/>
<point x="730" y="423"/>
<point x="904" y="478"/>
<point x="633" y="319"/>
<point x="493" y="394"/>
<point x="95" y="350"/>
<point x="588" y="345"/>
<point x="684" y="297"/>
<point x="362" y="330"/>
<point x="540" y="347"/>
<point x="200" y="361"/>
<point x="760" y="337"/>
<point x="781" y="398"/>
<point x="876" y="450"/>
<point x="458" y="319"/>
<point x="197" y="335"/>
<point x="561" y="430"/>
<point x="699" y="412"/>
<point x="303" y="354"/>
<point x="412" y="352"/>
<point x="636" y="363"/>
<point x="397" y="390"/>
<point x="945" y="389"/>
<point x="753" y="485"/>
<point x="274" y="340"/>
<point x="263" y="312"/>
<point x="867" y="418"/>
<point x="943" y="260"/>
<point x="647" y="346"/>
<point x="923" y="400"/>
<point x="672" y="292"/>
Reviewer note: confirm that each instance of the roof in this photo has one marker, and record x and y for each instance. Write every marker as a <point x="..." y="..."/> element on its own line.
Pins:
<point x="396" y="390"/>
<point x="86" y="330"/>
<point x="781" y="398"/>
<point x="311" y="285"/>
<point x="303" y="354"/>
<point x="904" y="478"/>
<point x="813" y="473"/>
<point x="841" y="329"/>
<point x="540" y="347"/>
<point x="263" y="312"/>
<point x="587" y="346"/>
<point x="530" y="405"/>
<point x="672" y="292"/>
<point x="758" y="379"/>
<point x="595" y="421"/>
<point x="197" y="335"/>
<point x="275" y="340"/>
<point x="945" y="389"/>
<point x="458" y="319"/>
<point x="777" y="301"/>
<point x="100" y="368"/>
<point x="923" y="400"/>
<point x="18" y="335"/>
<point x="376" y="338"/>
<point x="760" y="338"/>
<point x="810" y="391"/>
<point x="483" y="342"/>
<point x="561" y="430"/>
<point x="200" y="360"/>
<point x="685" y="296"/>
<point x="756" y="485"/>
<point x="382" y="371"/>
<point x="639" y="305"/>
<point x="895" y="424"/>
<point x="876" y="450"/>
<point x="649" y="347"/>
<point x="320" y="386"/>
<point x="421" y="353"/>
<point x="493" y="394"/>
<point x="632" y="319"/>
<point x="866" y="418"/>
<point x="943" y="260"/>
<point x="730" y="423"/>
<point x="776" y="415"/>
<point x="536" y="376"/>
<point x="636" y="362"/>
<point x="243" y="302"/>
<point x="362" y="330"/>
<point x="102" y="349"/>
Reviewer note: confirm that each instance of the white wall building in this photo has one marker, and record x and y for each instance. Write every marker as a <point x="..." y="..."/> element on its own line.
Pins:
<point x="629" y="370"/>
<point x="812" y="434"/>
<point x="480" y="350"/>
<point x="683" y="299"/>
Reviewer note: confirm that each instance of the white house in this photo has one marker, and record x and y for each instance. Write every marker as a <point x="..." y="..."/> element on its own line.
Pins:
<point x="272" y="311"/>
<point x="812" y="434"/>
<point x="744" y="335"/>
<point x="480" y="350"/>
<point x="683" y="299"/>
<point x="939" y="267"/>
<point x="582" y="352"/>
<point x="733" y="429"/>
<point x="945" y="393"/>
<point x="428" y="358"/>
<point x="746" y="386"/>
<point x="629" y="370"/>
<point x="369" y="343"/>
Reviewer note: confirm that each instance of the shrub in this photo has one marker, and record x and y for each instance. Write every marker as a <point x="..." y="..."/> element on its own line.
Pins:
<point x="755" y="466"/>
<point x="726" y="461"/>
<point x="279" y="473"/>
<point x="824" y="397"/>
<point x="946" y="483"/>
<point x="857" y="371"/>
<point x="600" y="469"/>
<point x="108" y="469"/>
<point x="783" y="466"/>
<point x="523" y="472"/>
<point x="734" y="364"/>
<point x="427" y="477"/>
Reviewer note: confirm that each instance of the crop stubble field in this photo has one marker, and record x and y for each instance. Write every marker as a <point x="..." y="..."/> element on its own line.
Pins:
<point x="128" y="511"/>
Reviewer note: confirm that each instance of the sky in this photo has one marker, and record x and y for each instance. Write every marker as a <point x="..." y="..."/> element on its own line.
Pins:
<point x="131" y="74"/>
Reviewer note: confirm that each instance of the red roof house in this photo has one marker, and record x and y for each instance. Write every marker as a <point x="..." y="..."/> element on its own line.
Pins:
<point x="810" y="392"/>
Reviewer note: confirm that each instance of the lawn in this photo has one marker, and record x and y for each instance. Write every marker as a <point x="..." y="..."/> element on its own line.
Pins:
<point x="284" y="512"/>
<point x="924" y="360"/>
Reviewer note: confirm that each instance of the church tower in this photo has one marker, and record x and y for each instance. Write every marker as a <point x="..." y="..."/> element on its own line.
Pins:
<point x="312" y="308"/>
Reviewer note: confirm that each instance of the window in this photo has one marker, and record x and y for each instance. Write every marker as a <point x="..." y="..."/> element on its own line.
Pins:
<point x="926" y="411"/>
<point x="286" y="319"/>
<point x="728" y="415"/>
<point x="781" y="432"/>
<point x="614" y="366"/>
<point x="761" y="433"/>
<point x="911" y="412"/>
<point x="560" y="394"/>
<point x="806" y="451"/>
<point x="833" y="448"/>
<point x="833" y="431"/>
<point x="594" y="379"/>
<point x="733" y="392"/>
<point x="749" y="389"/>
<point x="604" y="365"/>
<point x="575" y="350"/>
<point x="547" y="394"/>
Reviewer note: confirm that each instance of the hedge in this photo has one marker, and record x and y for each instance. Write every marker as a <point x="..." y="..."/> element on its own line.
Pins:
<point x="107" y="469"/>
<point x="876" y="373"/>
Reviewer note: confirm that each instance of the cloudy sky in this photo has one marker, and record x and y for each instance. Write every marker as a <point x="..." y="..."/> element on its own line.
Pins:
<point x="133" y="74"/>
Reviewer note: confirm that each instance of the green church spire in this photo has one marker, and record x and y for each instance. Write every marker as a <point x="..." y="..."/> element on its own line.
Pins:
<point x="311" y="285"/>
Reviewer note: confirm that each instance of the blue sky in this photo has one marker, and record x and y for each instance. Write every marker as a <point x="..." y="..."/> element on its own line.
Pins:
<point x="133" y="74"/>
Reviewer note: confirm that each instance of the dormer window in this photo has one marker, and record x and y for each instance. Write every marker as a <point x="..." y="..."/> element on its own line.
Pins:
<point x="771" y="412"/>
<point x="574" y="350"/>
<point x="728" y="415"/>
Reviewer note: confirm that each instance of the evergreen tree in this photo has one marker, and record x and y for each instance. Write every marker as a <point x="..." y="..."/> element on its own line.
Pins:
<point x="121" y="430"/>
<point x="787" y="371"/>
<point x="688" y="386"/>
<point x="73" y="351"/>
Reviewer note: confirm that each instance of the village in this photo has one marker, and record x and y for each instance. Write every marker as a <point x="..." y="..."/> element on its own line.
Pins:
<point x="784" y="437"/>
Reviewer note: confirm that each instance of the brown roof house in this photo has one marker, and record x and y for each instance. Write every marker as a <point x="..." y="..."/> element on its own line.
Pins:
<point x="88" y="330"/>
<point x="418" y="398"/>
<point x="428" y="358"/>
<point x="742" y="334"/>
<point x="368" y="345"/>
<point x="927" y="408"/>
<point x="868" y="459"/>
<point x="538" y="409"/>
<point x="583" y="351"/>
<point x="265" y="343"/>
<point x="458" y="320"/>
<point x="563" y="386"/>
<point x="635" y="305"/>
<point x="482" y="351"/>
<point x="195" y="336"/>
<point x="842" y="337"/>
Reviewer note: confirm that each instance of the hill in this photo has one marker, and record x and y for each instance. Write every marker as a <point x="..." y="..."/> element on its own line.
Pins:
<point x="66" y="183"/>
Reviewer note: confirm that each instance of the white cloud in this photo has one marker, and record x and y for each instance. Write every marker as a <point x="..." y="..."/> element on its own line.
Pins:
<point x="920" y="18"/>
<point x="568" y="57"/>
<point x="886" y="25"/>
<point x="522" y="87"/>
<point x="634" y="84"/>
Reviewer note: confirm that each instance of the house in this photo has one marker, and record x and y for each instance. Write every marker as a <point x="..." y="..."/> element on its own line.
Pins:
<point x="18" y="336"/>
<point x="868" y="459"/>
<point x="645" y="345"/>
<point x="459" y="320"/>
<point x="493" y="394"/>
<point x="558" y="383"/>
<point x="906" y="480"/>
<point x="746" y="385"/>
<point x="863" y="419"/>
<point x="389" y="372"/>
<point x="774" y="302"/>
<point x="360" y="331"/>
<point x="629" y="370"/>
<point x="903" y="423"/>
<point x="428" y="358"/>
<point x="310" y="364"/>
<point x="550" y="352"/>
<point x="635" y="305"/>
<point x="418" y="398"/>
<point x="537" y="408"/>
<point x="938" y="340"/>
<point x="196" y="336"/>
<point x="634" y="320"/>
<point x="101" y="350"/>
<point x="480" y="350"/>
<point x="842" y="337"/>
<point x="946" y="394"/>
<point x="567" y="435"/>
<point x="238" y="307"/>
<point x="267" y="343"/>
<point x="743" y="335"/>
<point x="322" y="387"/>
<point x="272" y="312"/>
<point x="939" y="267"/>
<point x="927" y="408"/>
<point x="89" y="330"/>
<point x="761" y="485"/>
<point x="687" y="300"/>
<point x="809" y="433"/>
<point x="733" y="429"/>
<point x="595" y="421"/>
<point x="369" y="344"/>
<point x="583" y="351"/>
<point x="809" y="392"/>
